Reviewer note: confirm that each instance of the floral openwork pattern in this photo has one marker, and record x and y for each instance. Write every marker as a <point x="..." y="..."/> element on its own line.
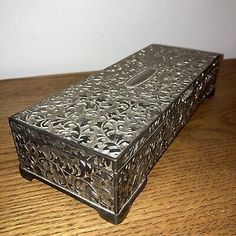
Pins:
<point x="102" y="113"/>
<point x="99" y="139"/>
<point x="58" y="163"/>
<point x="174" y="118"/>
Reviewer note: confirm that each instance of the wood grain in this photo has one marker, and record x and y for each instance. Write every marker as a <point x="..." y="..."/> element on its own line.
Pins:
<point x="191" y="190"/>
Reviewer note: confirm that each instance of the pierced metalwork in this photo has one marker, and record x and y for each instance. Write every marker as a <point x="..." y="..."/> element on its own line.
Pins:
<point x="97" y="140"/>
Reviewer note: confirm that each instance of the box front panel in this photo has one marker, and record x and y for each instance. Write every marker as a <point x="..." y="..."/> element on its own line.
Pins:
<point x="134" y="172"/>
<point x="70" y="169"/>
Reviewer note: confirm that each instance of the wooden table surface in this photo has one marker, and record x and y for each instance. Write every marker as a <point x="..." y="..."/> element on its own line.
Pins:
<point x="191" y="190"/>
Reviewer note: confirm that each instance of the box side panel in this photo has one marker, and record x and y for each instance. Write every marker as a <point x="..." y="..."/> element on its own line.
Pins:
<point x="143" y="137"/>
<point x="71" y="170"/>
<point x="142" y="160"/>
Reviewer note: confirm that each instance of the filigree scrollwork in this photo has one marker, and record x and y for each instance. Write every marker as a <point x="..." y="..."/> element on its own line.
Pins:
<point x="143" y="159"/>
<point x="102" y="113"/>
<point x="64" y="168"/>
<point x="99" y="138"/>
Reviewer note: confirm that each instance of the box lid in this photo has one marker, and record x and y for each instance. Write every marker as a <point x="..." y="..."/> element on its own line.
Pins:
<point x="109" y="110"/>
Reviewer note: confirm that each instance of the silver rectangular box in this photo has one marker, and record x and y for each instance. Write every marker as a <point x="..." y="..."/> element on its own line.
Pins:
<point x="98" y="140"/>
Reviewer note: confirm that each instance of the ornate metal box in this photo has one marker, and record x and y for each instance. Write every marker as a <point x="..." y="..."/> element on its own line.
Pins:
<point x="98" y="140"/>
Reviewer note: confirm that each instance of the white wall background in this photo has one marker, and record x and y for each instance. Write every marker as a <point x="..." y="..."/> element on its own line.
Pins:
<point x="40" y="37"/>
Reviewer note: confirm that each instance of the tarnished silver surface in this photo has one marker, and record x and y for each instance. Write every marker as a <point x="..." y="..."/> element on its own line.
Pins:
<point x="97" y="140"/>
<point x="102" y="113"/>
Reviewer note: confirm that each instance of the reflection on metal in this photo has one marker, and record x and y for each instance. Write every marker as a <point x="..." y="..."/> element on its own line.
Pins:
<point x="141" y="77"/>
<point x="97" y="140"/>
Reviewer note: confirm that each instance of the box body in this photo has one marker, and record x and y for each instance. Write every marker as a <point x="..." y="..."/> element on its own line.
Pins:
<point x="98" y="140"/>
